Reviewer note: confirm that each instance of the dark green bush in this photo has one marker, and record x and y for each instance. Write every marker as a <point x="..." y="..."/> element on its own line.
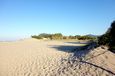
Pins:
<point x="112" y="35"/>
<point x="108" y="38"/>
<point x="86" y="38"/>
<point x="45" y="35"/>
<point x="104" y="39"/>
<point x="37" y="37"/>
<point x="57" y="36"/>
<point x="50" y="36"/>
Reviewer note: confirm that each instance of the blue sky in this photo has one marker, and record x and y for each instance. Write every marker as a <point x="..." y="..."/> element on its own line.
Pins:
<point x="23" y="18"/>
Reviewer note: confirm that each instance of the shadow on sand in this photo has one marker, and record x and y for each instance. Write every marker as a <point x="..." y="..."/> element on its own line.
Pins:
<point x="66" y="48"/>
<point x="77" y="42"/>
<point x="80" y="52"/>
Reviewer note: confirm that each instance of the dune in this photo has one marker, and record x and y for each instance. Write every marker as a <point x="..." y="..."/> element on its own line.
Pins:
<point x="32" y="57"/>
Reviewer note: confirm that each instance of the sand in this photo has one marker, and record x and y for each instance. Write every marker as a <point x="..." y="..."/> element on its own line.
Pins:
<point x="32" y="57"/>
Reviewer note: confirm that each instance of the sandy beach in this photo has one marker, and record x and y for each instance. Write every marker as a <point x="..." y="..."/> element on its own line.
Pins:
<point x="32" y="57"/>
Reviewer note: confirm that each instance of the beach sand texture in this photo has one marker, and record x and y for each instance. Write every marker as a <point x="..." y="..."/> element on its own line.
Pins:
<point x="32" y="57"/>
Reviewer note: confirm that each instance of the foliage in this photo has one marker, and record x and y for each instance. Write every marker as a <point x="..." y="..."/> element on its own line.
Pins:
<point x="37" y="37"/>
<point x="50" y="36"/>
<point x="45" y="35"/>
<point x="112" y="35"/>
<point x="86" y="38"/>
<point x="65" y="37"/>
<point x="60" y="36"/>
<point x="104" y="39"/>
<point x="57" y="36"/>
<point x="108" y="38"/>
<point x="72" y="37"/>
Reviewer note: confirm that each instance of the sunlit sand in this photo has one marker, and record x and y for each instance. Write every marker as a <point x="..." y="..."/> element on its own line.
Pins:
<point x="32" y="57"/>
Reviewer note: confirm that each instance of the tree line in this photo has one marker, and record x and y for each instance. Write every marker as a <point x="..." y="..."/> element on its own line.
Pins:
<point x="107" y="39"/>
<point x="59" y="36"/>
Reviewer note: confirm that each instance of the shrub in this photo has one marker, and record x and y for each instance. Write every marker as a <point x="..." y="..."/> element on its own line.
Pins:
<point x="86" y="38"/>
<point x="50" y="36"/>
<point x="112" y="35"/>
<point x="57" y="36"/>
<point x="37" y="37"/>
<point x="108" y="38"/>
<point x="45" y="35"/>
<point x="104" y="39"/>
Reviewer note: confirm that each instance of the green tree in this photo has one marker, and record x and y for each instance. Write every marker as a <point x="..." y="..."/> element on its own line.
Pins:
<point x="112" y="36"/>
<point x="57" y="36"/>
<point x="108" y="38"/>
<point x="37" y="37"/>
<point x="45" y="35"/>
